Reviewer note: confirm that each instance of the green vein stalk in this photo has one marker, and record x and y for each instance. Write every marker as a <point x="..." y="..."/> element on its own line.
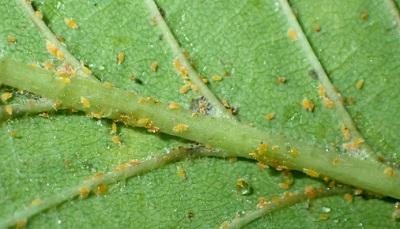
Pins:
<point x="341" y="111"/>
<point x="129" y="169"/>
<point x="29" y="107"/>
<point x="234" y="138"/>
<point x="279" y="203"/>
<point x="176" y="49"/>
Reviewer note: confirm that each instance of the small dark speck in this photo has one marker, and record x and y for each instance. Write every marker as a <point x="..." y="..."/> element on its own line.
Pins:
<point x="364" y="15"/>
<point x="190" y="214"/>
<point x="136" y="80"/>
<point x="313" y="74"/>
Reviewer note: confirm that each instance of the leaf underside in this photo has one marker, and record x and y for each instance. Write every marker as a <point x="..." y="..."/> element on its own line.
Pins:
<point x="249" y="40"/>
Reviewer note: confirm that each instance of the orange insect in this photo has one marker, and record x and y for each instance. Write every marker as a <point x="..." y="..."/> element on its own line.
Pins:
<point x="348" y="197"/>
<point x="71" y="23"/>
<point x="308" y="105"/>
<point x="292" y="34"/>
<point x="310" y="192"/>
<point x="270" y="116"/>
<point x="54" y="51"/>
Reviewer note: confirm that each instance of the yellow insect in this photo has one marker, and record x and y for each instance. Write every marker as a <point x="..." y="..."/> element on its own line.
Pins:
<point x="13" y="133"/>
<point x="48" y="64"/>
<point x="323" y="216"/>
<point x="181" y="69"/>
<point x="294" y="152"/>
<point x="39" y="14"/>
<point x="120" y="58"/>
<point x="345" y="132"/>
<point x="174" y="106"/>
<point x="262" y="166"/>
<point x="54" y="51"/>
<point x="85" y="102"/>
<point x="86" y="70"/>
<point x="11" y="39"/>
<point x="354" y="144"/>
<point x="328" y="103"/>
<point x="71" y="23"/>
<point x="107" y="85"/>
<point x="216" y="78"/>
<point x="185" y="88"/>
<point x="114" y="128"/>
<point x="154" y="66"/>
<point x="181" y="172"/>
<point x="281" y="80"/>
<point x="321" y="90"/>
<point x="358" y="191"/>
<point x="116" y="139"/>
<point x="389" y="171"/>
<point x="180" y="128"/>
<point x="6" y="96"/>
<point x="260" y="154"/>
<point x="94" y="114"/>
<point x="8" y="109"/>
<point x="311" y="172"/>
<point x="262" y="202"/>
<point x="65" y="70"/>
<point x="101" y="189"/>
<point x="308" y="105"/>
<point x="360" y="84"/>
<point x="292" y="34"/>
<point x="84" y="192"/>
<point x="270" y="116"/>
<point x="36" y="202"/>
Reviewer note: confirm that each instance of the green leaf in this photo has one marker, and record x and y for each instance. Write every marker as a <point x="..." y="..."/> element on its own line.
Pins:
<point x="249" y="39"/>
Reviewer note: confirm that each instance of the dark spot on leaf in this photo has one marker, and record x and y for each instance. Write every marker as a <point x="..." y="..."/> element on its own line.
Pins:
<point x="190" y="214"/>
<point x="136" y="80"/>
<point x="313" y="74"/>
<point x="243" y="187"/>
<point x="364" y="15"/>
